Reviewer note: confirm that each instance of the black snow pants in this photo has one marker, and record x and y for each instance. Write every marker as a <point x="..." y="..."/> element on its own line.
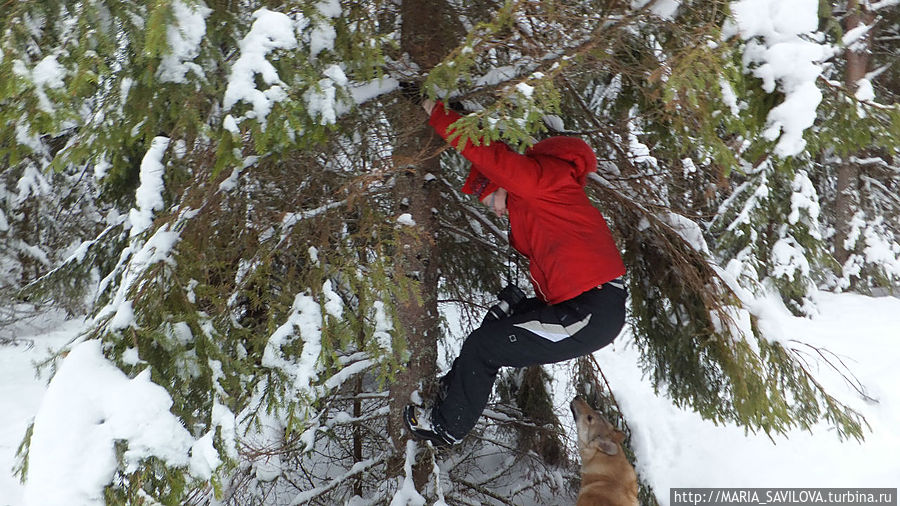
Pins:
<point x="537" y="333"/>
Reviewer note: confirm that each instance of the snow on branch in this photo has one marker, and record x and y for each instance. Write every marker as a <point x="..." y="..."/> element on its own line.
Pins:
<point x="184" y="37"/>
<point x="358" y="468"/>
<point x="883" y="4"/>
<point x="306" y="318"/>
<point x="291" y="219"/>
<point x="407" y="494"/>
<point x="783" y="49"/>
<point x="270" y="31"/>
<point x="89" y="406"/>
<point x="148" y="197"/>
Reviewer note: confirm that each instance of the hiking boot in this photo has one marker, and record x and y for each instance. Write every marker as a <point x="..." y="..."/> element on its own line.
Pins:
<point x="420" y="424"/>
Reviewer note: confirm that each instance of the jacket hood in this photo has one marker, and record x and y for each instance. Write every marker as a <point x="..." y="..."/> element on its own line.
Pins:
<point x="571" y="149"/>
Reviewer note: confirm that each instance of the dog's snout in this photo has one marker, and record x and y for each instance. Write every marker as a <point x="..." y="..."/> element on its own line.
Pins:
<point x="578" y="407"/>
<point x="606" y="475"/>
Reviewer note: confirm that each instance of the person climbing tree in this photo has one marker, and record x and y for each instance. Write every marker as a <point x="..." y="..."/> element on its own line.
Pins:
<point x="574" y="264"/>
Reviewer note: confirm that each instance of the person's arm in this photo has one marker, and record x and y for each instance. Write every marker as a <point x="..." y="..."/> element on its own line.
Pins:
<point x="518" y="174"/>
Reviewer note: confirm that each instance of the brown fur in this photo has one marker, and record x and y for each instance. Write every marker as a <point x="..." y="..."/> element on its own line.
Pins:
<point x="607" y="478"/>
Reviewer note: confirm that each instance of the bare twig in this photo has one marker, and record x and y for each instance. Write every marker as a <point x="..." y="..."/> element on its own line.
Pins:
<point x="358" y="468"/>
<point x="608" y="389"/>
<point x="484" y="491"/>
<point x="481" y="218"/>
<point x="829" y="357"/>
<point x="852" y="96"/>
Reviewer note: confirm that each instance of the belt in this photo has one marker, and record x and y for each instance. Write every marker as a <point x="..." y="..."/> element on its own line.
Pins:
<point x="615" y="283"/>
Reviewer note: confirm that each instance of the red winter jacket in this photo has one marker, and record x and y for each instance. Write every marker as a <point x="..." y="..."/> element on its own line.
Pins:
<point x="568" y="244"/>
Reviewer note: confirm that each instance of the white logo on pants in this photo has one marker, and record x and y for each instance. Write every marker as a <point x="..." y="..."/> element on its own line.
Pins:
<point x="554" y="331"/>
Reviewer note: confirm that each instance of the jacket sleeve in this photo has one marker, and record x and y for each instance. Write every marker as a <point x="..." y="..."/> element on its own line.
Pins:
<point x="518" y="174"/>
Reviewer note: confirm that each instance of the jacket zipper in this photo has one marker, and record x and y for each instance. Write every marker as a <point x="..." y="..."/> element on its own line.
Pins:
<point x="538" y="286"/>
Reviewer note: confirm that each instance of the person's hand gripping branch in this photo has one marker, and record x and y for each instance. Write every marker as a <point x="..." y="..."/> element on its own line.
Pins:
<point x="497" y="202"/>
<point x="428" y="105"/>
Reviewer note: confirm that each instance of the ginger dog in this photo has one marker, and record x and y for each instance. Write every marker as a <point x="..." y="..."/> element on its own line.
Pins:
<point x="607" y="478"/>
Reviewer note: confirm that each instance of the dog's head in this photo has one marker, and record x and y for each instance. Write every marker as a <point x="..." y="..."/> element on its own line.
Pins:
<point x="594" y="431"/>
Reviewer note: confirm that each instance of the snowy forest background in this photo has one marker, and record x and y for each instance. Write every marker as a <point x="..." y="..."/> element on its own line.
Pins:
<point x="267" y="248"/>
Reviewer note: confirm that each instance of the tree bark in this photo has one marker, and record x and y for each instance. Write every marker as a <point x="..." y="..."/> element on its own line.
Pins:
<point x="428" y="32"/>
<point x="847" y="198"/>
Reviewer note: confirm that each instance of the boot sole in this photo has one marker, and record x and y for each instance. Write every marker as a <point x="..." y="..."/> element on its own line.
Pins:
<point x="409" y="418"/>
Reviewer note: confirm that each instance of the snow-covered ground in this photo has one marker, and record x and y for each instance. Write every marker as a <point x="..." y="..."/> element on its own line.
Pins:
<point x="675" y="448"/>
<point x="21" y="392"/>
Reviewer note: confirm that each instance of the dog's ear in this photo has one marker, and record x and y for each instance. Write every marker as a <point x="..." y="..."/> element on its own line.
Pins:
<point x="617" y="436"/>
<point x="606" y="446"/>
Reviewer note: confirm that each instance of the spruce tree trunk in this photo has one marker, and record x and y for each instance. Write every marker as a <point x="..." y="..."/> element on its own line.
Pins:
<point x="847" y="198"/>
<point x="428" y="33"/>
